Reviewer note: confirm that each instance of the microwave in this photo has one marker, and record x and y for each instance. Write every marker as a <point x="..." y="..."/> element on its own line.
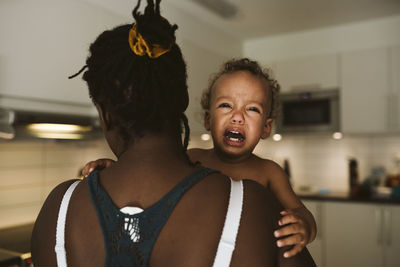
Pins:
<point x="309" y="112"/>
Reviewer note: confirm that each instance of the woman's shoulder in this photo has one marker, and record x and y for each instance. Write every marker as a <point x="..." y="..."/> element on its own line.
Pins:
<point x="44" y="231"/>
<point x="53" y="200"/>
<point x="197" y="154"/>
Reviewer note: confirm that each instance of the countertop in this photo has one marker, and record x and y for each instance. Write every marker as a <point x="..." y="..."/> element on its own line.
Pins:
<point x="345" y="197"/>
<point x="15" y="245"/>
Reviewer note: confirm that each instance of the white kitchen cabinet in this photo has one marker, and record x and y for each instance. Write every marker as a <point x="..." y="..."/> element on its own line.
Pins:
<point x="353" y="235"/>
<point x="362" y="235"/>
<point x="394" y="94"/>
<point x="316" y="247"/>
<point x="391" y="238"/>
<point x="365" y="91"/>
<point x="308" y="73"/>
<point x="44" y="43"/>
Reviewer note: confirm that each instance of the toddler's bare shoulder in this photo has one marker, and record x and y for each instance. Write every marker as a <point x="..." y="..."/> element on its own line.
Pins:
<point x="270" y="166"/>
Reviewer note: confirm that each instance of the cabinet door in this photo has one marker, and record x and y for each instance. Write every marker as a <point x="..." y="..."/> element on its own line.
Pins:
<point x="36" y="63"/>
<point x="353" y="235"/>
<point x="316" y="247"/>
<point x="394" y="96"/>
<point x="308" y="73"/>
<point x="392" y="236"/>
<point x="365" y="90"/>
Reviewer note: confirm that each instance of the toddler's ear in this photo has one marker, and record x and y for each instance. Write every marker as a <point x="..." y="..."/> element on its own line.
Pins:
<point x="267" y="128"/>
<point x="207" y="119"/>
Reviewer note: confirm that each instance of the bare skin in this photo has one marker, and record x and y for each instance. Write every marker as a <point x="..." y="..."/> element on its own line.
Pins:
<point x="140" y="177"/>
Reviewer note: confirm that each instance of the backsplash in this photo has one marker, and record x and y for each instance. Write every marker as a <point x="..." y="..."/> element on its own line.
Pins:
<point x="322" y="162"/>
<point x="30" y="170"/>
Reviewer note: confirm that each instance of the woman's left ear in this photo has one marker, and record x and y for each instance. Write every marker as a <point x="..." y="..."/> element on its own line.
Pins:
<point x="267" y="128"/>
<point x="105" y="118"/>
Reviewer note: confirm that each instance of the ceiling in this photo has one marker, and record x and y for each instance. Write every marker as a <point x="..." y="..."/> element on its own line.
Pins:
<point x="260" y="18"/>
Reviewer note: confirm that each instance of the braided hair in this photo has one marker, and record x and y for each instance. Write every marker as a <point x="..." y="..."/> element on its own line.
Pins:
<point x="142" y="94"/>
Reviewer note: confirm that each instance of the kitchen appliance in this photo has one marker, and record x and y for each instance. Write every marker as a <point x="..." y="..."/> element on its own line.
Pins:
<point x="24" y="125"/>
<point x="309" y="112"/>
<point x="28" y="118"/>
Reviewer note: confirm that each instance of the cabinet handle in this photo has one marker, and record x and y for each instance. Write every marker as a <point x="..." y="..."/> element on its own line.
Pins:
<point x="318" y="221"/>
<point x="388" y="226"/>
<point x="392" y="111"/>
<point x="378" y="224"/>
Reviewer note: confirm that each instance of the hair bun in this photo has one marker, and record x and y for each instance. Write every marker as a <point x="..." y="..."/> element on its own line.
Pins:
<point x="151" y="31"/>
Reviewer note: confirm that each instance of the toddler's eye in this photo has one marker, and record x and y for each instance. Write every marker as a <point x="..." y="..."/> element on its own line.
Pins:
<point x="254" y="109"/>
<point x="224" y="105"/>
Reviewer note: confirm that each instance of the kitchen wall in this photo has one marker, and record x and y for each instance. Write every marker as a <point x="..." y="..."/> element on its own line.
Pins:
<point x="30" y="170"/>
<point x="321" y="162"/>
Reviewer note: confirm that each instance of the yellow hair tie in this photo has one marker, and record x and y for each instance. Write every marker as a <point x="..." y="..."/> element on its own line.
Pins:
<point x="140" y="47"/>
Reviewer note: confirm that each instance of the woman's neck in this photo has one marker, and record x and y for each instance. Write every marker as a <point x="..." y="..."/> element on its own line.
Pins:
<point x="153" y="148"/>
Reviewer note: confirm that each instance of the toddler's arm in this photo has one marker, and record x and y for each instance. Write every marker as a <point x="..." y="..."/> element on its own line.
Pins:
<point x="298" y="227"/>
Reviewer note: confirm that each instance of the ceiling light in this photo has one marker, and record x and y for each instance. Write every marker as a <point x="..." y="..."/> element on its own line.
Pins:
<point x="205" y="137"/>
<point x="337" y="135"/>
<point x="277" y="137"/>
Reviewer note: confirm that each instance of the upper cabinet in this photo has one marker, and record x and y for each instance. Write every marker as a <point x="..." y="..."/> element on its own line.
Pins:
<point x="370" y="90"/>
<point x="51" y="43"/>
<point x="365" y="90"/>
<point x="394" y="96"/>
<point x="369" y="83"/>
<point x="308" y="73"/>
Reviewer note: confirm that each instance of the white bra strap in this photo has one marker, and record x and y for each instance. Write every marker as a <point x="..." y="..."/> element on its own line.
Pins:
<point x="227" y="242"/>
<point x="60" y="232"/>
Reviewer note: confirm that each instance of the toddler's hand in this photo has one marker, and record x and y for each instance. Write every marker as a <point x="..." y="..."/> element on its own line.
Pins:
<point x="294" y="231"/>
<point x="97" y="164"/>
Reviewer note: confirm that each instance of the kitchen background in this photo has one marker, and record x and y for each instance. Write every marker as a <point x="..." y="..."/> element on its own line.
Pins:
<point x="354" y="49"/>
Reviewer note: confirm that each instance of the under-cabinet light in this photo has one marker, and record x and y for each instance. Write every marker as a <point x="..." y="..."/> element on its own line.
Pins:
<point x="58" y="128"/>
<point x="58" y="135"/>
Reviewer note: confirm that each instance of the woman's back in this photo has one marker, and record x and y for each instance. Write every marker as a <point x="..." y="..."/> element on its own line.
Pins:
<point x="190" y="236"/>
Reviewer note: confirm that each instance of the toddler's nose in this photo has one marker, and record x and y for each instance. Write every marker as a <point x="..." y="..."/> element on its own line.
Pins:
<point x="237" y="118"/>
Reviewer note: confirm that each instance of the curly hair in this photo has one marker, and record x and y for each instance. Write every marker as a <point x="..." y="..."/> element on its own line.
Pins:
<point x="244" y="64"/>
<point x="142" y="94"/>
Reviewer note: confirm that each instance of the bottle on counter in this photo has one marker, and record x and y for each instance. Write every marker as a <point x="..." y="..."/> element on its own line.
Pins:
<point x="286" y="168"/>
<point x="353" y="177"/>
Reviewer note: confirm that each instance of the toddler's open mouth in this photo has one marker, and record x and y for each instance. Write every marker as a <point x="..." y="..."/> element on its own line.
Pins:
<point x="234" y="137"/>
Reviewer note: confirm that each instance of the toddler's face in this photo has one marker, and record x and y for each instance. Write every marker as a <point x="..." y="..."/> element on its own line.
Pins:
<point x="237" y="118"/>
